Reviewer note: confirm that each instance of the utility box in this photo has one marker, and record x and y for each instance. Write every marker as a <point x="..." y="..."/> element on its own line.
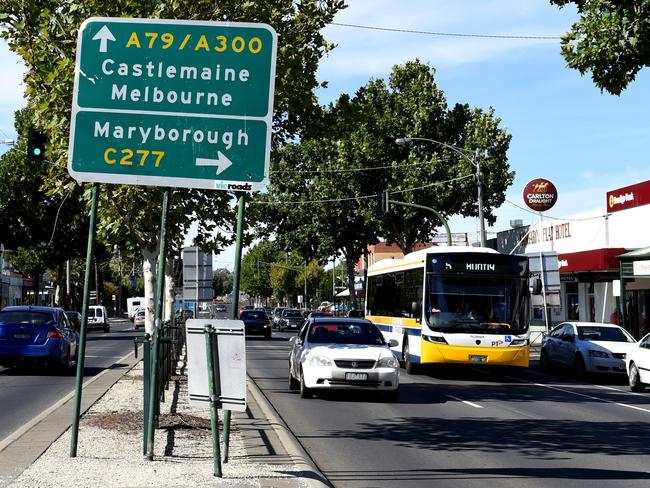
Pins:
<point x="229" y="348"/>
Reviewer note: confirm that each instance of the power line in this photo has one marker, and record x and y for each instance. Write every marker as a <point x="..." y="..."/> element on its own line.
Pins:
<point x="555" y="218"/>
<point x="350" y="170"/>
<point x="447" y="34"/>
<point x="361" y="197"/>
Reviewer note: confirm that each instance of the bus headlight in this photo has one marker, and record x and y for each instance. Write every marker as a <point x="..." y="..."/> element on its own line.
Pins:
<point x="434" y="339"/>
<point x="519" y="342"/>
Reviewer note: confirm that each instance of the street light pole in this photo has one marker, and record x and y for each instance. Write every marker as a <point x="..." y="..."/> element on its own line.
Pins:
<point x="473" y="159"/>
<point x="479" y="184"/>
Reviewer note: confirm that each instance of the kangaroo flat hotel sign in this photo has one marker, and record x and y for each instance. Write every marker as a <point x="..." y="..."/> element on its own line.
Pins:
<point x="173" y="103"/>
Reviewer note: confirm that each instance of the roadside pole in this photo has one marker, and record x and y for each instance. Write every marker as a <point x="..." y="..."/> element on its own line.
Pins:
<point x="214" y="400"/>
<point x="422" y="207"/>
<point x="155" y="345"/>
<point x="241" y="206"/>
<point x="81" y="350"/>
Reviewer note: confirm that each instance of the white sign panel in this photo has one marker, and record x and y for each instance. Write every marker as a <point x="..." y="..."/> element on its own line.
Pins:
<point x="230" y="363"/>
<point x="641" y="268"/>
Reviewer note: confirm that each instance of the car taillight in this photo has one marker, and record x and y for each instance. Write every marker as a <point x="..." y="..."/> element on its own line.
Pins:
<point x="54" y="334"/>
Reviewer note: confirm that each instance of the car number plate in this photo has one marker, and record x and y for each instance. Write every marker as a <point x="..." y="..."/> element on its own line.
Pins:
<point x="22" y="336"/>
<point x="356" y="376"/>
<point x="478" y="359"/>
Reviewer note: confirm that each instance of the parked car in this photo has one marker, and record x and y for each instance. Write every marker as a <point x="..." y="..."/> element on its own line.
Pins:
<point x="74" y="318"/>
<point x="277" y="315"/>
<point x="342" y="353"/>
<point x="37" y="335"/>
<point x="637" y="364"/>
<point x="256" y="322"/>
<point x="586" y="347"/>
<point x="220" y="308"/>
<point x="138" y="318"/>
<point x="98" y="318"/>
<point x="291" y="319"/>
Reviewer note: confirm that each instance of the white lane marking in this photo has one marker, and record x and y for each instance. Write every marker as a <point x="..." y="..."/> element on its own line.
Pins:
<point x="464" y="401"/>
<point x="582" y="395"/>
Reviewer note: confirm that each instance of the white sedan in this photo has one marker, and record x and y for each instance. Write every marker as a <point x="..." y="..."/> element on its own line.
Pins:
<point x="587" y="347"/>
<point x="342" y="353"/>
<point x="637" y="364"/>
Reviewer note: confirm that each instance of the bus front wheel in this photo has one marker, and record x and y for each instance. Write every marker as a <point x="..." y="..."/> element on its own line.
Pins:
<point x="410" y="367"/>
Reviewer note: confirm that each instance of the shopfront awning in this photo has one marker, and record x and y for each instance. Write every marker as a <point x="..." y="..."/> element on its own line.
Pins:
<point x="592" y="260"/>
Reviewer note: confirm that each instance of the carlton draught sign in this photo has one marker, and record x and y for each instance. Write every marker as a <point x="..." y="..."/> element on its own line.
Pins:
<point x="540" y="195"/>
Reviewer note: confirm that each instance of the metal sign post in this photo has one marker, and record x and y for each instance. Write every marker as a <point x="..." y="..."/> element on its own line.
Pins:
<point x="160" y="290"/>
<point x="213" y="393"/>
<point x="81" y="351"/>
<point x="216" y="370"/>
<point x="241" y="208"/>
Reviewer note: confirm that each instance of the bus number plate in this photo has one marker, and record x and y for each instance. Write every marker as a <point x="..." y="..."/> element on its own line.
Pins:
<point x="478" y="359"/>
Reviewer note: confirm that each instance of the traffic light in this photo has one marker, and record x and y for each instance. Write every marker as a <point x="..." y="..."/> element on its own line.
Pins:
<point x="383" y="205"/>
<point x="35" y="145"/>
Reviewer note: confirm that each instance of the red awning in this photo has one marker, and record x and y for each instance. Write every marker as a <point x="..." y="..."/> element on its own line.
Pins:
<point x="593" y="260"/>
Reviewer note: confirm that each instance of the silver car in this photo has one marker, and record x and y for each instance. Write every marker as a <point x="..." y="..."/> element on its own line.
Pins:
<point x="342" y="353"/>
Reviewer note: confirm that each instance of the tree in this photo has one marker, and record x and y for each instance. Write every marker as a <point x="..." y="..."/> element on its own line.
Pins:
<point x="323" y="201"/>
<point x="42" y="231"/>
<point x="611" y="39"/>
<point x="256" y="269"/>
<point x="44" y="35"/>
<point x="222" y="282"/>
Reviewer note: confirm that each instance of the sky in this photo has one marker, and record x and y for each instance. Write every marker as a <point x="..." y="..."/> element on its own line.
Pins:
<point x="563" y="128"/>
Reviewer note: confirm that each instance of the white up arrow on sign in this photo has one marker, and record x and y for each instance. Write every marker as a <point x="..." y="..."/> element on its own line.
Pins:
<point x="222" y="162"/>
<point x="104" y="35"/>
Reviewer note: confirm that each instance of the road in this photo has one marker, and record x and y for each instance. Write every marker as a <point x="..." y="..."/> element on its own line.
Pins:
<point x="24" y="394"/>
<point x="466" y="427"/>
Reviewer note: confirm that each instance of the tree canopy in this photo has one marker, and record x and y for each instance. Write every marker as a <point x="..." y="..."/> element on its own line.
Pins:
<point x="611" y="40"/>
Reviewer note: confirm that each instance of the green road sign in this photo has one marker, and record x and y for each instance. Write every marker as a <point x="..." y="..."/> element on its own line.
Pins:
<point x="173" y="103"/>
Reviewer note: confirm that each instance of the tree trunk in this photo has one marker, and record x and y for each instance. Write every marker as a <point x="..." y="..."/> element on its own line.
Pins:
<point x="149" y="275"/>
<point x="169" y="289"/>
<point x="349" y="265"/>
<point x="60" y="301"/>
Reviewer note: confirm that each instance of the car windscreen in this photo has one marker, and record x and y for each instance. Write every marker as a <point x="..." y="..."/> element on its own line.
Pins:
<point x="595" y="333"/>
<point x="345" y="333"/>
<point x="292" y="314"/>
<point x="26" y="317"/>
<point x="254" y="314"/>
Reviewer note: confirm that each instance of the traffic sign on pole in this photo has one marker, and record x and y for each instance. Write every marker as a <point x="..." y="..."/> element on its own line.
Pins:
<point x="173" y="103"/>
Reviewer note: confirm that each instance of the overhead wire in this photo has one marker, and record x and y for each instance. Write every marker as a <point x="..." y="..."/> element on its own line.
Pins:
<point x="361" y="197"/>
<point x="447" y="34"/>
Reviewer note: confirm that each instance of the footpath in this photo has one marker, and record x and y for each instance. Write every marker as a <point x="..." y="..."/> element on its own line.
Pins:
<point x="263" y="451"/>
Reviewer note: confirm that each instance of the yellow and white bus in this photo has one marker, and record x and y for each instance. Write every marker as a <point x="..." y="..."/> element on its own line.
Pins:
<point x="459" y="305"/>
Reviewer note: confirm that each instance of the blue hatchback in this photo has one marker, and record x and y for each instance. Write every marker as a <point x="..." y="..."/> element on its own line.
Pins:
<point x="37" y="335"/>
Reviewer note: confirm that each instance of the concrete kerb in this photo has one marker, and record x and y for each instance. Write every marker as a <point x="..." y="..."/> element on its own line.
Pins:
<point x="299" y="456"/>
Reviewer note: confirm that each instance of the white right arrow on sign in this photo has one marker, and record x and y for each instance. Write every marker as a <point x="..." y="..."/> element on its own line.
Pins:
<point x="222" y="162"/>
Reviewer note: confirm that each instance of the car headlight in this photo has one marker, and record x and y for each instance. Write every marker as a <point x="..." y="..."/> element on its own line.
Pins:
<point x="388" y="362"/>
<point x="598" y="354"/>
<point x="320" y="361"/>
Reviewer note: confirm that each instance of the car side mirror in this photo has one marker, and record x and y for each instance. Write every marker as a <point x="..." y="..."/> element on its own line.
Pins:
<point x="393" y="343"/>
<point x="294" y="340"/>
